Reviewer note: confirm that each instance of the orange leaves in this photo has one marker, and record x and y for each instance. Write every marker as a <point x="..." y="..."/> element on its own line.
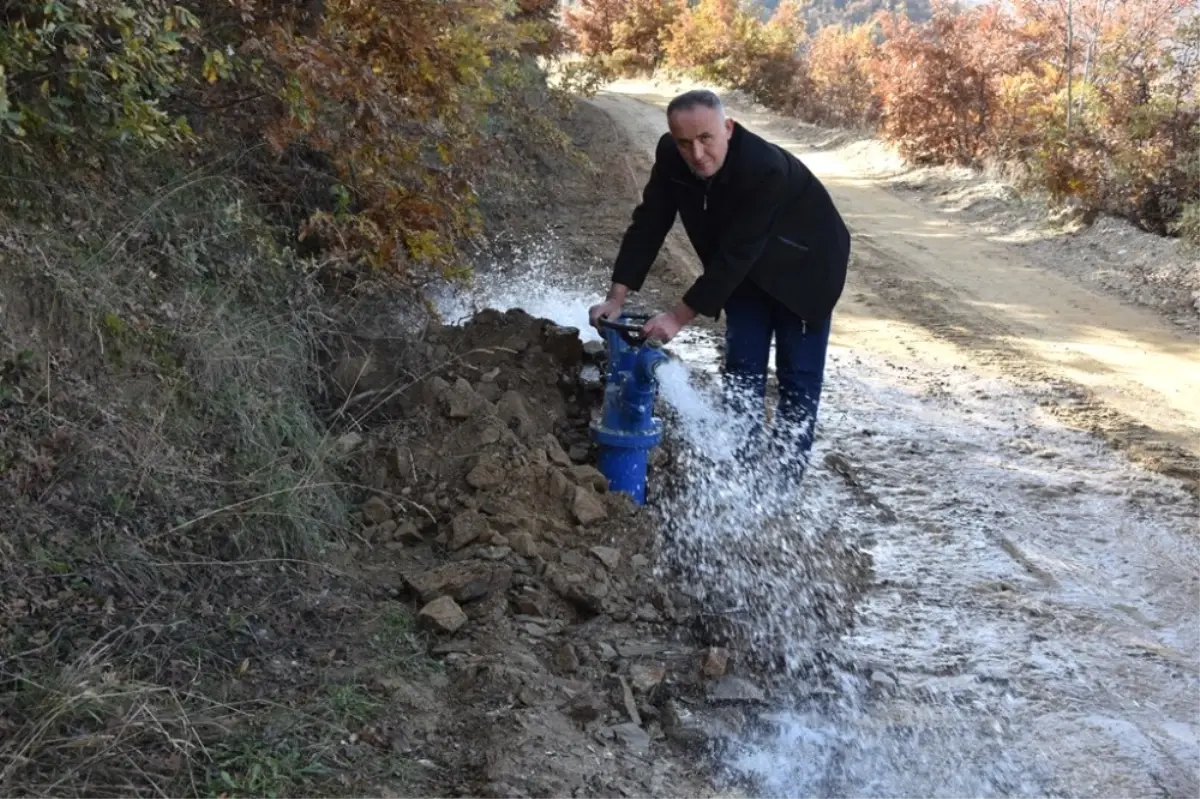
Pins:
<point x="989" y="81"/>
<point x="840" y="71"/>
<point x="725" y="41"/>
<point x="936" y="83"/>
<point x="394" y="91"/>
<point x="625" y="36"/>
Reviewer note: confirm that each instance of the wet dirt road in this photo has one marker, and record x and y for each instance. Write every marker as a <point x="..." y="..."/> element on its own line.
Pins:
<point x="1031" y="580"/>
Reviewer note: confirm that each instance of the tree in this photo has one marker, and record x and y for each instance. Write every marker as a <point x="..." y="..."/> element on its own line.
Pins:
<point x="838" y="63"/>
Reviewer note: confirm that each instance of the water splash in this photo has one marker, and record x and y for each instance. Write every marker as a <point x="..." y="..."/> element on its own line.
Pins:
<point x="528" y="276"/>
<point x="779" y="570"/>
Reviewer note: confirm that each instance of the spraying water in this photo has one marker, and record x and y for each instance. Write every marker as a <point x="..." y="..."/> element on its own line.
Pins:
<point x="530" y="278"/>
<point x="779" y="569"/>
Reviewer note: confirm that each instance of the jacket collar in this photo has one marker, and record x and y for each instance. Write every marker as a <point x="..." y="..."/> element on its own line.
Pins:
<point x="731" y="157"/>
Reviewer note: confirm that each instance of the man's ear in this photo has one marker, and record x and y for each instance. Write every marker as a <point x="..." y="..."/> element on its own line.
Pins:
<point x="728" y="126"/>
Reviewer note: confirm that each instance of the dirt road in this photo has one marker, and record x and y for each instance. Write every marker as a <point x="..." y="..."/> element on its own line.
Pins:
<point x="929" y="288"/>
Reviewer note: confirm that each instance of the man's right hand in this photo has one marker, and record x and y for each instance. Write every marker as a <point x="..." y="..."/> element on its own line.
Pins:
<point x="609" y="309"/>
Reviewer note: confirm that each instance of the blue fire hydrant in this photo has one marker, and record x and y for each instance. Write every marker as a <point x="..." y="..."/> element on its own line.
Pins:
<point x="627" y="429"/>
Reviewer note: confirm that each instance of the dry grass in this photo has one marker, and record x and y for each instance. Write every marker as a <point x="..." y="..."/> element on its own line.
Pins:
<point x="163" y="469"/>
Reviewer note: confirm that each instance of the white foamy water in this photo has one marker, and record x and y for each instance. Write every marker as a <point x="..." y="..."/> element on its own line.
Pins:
<point x="532" y="279"/>
<point x="703" y="424"/>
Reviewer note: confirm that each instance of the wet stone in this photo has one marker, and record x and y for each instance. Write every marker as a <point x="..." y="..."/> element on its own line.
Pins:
<point x="714" y="661"/>
<point x="735" y="689"/>
<point x="631" y="735"/>
<point x="882" y="683"/>
<point x="645" y="677"/>
<point x="686" y="728"/>
<point x="587" y="708"/>
<point x="647" y="613"/>
<point x="564" y="344"/>
<point x="566" y="659"/>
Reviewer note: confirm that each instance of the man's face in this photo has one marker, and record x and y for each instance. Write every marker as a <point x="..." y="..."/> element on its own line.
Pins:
<point x="702" y="136"/>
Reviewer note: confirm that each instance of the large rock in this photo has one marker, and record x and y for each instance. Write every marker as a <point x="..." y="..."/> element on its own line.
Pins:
<point x="735" y="689"/>
<point x="462" y="402"/>
<point x="563" y="343"/>
<point x="588" y="475"/>
<point x="587" y="507"/>
<point x="514" y="412"/>
<point x="554" y="451"/>
<point x="610" y="557"/>
<point x="462" y="581"/>
<point x="468" y="526"/>
<point x="442" y="614"/>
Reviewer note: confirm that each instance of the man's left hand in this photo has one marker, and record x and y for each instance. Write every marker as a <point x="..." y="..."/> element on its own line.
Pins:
<point x="663" y="327"/>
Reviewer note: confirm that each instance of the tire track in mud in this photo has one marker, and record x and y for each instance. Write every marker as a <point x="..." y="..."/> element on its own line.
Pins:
<point x="937" y="309"/>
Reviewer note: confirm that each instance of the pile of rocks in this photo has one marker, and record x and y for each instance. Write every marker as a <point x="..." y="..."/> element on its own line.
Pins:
<point x="534" y="582"/>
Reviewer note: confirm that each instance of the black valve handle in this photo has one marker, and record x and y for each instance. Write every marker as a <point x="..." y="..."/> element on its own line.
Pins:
<point x="632" y="333"/>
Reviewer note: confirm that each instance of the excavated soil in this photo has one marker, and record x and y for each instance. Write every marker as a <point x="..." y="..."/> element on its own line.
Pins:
<point x="562" y="662"/>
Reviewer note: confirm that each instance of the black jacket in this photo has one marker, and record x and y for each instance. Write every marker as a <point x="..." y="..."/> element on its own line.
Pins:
<point x="763" y="216"/>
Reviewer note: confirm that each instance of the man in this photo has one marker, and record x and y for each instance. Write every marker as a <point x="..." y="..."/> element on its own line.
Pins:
<point x="774" y="250"/>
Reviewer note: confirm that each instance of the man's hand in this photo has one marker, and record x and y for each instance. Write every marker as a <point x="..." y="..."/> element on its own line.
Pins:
<point x="666" y="326"/>
<point x="663" y="327"/>
<point x="609" y="309"/>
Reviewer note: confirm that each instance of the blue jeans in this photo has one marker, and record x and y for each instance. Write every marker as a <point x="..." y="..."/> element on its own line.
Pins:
<point x="752" y="317"/>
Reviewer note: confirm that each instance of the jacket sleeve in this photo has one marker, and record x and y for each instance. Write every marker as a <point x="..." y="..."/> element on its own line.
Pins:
<point x="652" y="220"/>
<point x="758" y="202"/>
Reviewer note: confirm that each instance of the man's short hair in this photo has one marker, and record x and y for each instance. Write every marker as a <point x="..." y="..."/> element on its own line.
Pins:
<point x="696" y="97"/>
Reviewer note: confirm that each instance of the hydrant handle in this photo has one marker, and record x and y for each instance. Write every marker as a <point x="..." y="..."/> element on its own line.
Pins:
<point x="630" y="331"/>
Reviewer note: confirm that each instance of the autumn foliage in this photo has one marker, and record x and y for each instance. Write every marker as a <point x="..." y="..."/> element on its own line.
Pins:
<point x="1101" y="108"/>
<point x="398" y="104"/>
